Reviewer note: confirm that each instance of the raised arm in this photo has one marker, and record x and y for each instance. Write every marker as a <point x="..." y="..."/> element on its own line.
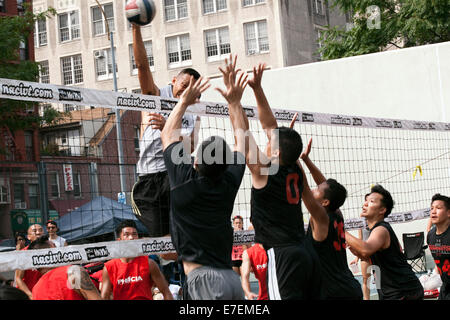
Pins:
<point x="145" y="76"/>
<point x="313" y="169"/>
<point x="172" y="128"/>
<point x="233" y="95"/>
<point x="245" y="141"/>
<point x="265" y="115"/>
<point x="319" y="217"/>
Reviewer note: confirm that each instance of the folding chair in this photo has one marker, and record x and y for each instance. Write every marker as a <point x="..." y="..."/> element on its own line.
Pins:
<point x="414" y="250"/>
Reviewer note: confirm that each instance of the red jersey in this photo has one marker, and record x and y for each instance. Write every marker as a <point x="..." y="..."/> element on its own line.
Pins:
<point x="236" y="254"/>
<point x="31" y="276"/>
<point x="53" y="286"/>
<point x="130" y="281"/>
<point x="258" y="261"/>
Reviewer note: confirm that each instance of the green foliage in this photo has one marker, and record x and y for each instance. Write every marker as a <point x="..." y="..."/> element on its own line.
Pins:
<point x="402" y="23"/>
<point x="16" y="30"/>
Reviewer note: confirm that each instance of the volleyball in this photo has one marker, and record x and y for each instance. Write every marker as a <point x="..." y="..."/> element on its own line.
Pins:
<point x="140" y="12"/>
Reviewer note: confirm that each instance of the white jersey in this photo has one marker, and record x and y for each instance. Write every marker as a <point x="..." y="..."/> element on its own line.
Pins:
<point x="59" y="241"/>
<point x="150" y="146"/>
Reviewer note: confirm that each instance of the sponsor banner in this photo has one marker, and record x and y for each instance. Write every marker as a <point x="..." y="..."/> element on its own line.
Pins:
<point x="68" y="177"/>
<point x="86" y="253"/>
<point x="49" y="93"/>
<point x="100" y="251"/>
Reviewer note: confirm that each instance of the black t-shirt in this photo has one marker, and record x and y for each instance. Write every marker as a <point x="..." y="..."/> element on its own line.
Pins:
<point x="201" y="209"/>
<point x="440" y="249"/>
<point x="338" y="281"/>
<point x="276" y="209"/>
<point x="397" y="276"/>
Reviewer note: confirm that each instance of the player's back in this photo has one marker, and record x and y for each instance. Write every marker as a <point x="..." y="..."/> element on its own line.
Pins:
<point x="276" y="209"/>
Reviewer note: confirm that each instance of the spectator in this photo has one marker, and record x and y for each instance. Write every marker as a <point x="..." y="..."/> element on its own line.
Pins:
<point x="62" y="283"/>
<point x="132" y="278"/>
<point x="52" y="228"/>
<point x="26" y="279"/>
<point x="236" y="256"/>
<point x="21" y="240"/>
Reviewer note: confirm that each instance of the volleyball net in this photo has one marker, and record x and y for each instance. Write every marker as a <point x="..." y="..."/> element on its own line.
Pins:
<point x="82" y="170"/>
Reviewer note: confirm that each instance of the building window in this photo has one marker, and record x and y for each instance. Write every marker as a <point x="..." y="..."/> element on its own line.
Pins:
<point x="149" y="49"/>
<point x="70" y="107"/>
<point x="40" y="33"/>
<point x="104" y="64"/>
<point x="175" y="9"/>
<point x="256" y="37"/>
<point x="44" y="72"/>
<point x="77" y="184"/>
<point x="217" y="42"/>
<point x="246" y="3"/>
<point x="2" y="6"/>
<point x="54" y="184"/>
<point x="318" y="7"/>
<point x="210" y="6"/>
<point x="33" y="196"/>
<point x="72" y="69"/>
<point x="98" y="21"/>
<point x="19" y="196"/>
<point x="4" y="194"/>
<point x="320" y="33"/>
<point x="28" y="135"/>
<point x="23" y="51"/>
<point x="137" y="135"/>
<point x="179" y="51"/>
<point x="69" y="26"/>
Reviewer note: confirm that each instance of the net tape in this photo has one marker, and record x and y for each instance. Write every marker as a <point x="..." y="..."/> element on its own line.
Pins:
<point x="49" y="93"/>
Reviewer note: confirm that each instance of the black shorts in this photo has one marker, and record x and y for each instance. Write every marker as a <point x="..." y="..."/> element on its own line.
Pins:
<point x="150" y="199"/>
<point x="293" y="273"/>
<point x="236" y="263"/>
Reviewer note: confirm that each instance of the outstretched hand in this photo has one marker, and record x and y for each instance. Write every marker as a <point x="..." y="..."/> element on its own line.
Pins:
<point x="193" y="91"/>
<point x="235" y="89"/>
<point x="230" y="68"/>
<point x="255" y="82"/>
<point x="306" y="152"/>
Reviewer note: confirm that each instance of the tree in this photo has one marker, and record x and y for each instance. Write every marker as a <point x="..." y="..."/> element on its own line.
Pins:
<point x="378" y="24"/>
<point x="16" y="30"/>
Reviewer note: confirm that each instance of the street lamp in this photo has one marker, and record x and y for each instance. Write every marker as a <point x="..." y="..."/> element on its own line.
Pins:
<point x="117" y="111"/>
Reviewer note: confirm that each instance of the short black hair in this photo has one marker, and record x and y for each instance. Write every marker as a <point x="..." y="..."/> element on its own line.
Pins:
<point x="386" y="200"/>
<point x="213" y="157"/>
<point x="290" y="145"/>
<point x="40" y="243"/>
<point x="191" y="72"/>
<point x="238" y="217"/>
<point x="335" y="193"/>
<point x="21" y="235"/>
<point x="443" y="198"/>
<point x="128" y="223"/>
